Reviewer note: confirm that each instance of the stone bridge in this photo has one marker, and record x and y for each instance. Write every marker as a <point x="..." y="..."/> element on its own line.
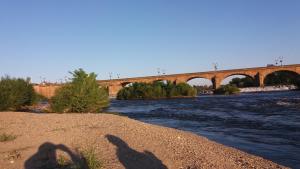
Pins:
<point x="115" y="85"/>
<point x="257" y="73"/>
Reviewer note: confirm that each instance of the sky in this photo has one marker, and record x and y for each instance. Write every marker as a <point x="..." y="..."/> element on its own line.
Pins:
<point x="49" y="38"/>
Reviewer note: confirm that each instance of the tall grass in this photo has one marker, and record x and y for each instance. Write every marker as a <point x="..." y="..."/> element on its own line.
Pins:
<point x="7" y="137"/>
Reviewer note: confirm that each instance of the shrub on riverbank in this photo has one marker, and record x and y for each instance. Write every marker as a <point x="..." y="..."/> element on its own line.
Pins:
<point x="242" y="82"/>
<point x="227" y="90"/>
<point x="156" y="90"/>
<point x="16" y="93"/>
<point x="82" y="94"/>
<point x="205" y="89"/>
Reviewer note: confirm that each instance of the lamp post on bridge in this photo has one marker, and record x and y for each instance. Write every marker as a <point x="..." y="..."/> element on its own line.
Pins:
<point x="158" y="71"/>
<point x="164" y="72"/>
<point x="214" y="79"/>
<point x="215" y="65"/>
<point x="281" y="60"/>
<point x="110" y="75"/>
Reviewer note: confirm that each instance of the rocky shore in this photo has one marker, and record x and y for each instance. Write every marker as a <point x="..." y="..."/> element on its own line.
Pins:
<point x="120" y="143"/>
<point x="268" y="88"/>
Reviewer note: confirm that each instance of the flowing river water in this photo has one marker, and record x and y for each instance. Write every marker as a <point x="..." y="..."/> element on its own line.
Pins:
<point x="263" y="124"/>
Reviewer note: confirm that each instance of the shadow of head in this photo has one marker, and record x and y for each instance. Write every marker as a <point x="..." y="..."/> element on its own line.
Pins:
<point x="116" y="141"/>
<point x="132" y="159"/>
<point x="46" y="158"/>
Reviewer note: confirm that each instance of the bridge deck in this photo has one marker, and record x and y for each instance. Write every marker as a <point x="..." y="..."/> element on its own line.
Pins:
<point x="199" y="73"/>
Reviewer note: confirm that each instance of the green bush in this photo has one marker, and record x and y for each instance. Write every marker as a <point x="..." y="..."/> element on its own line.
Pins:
<point x="156" y="90"/>
<point x="242" y="82"/>
<point x="82" y="94"/>
<point x="15" y="93"/>
<point x="227" y="90"/>
<point x="204" y="89"/>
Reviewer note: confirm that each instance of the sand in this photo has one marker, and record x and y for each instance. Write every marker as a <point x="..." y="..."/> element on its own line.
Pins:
<point x="119" y="142"/>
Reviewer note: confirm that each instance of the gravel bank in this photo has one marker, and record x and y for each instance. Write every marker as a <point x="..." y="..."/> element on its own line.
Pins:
<point x="120" y="142"/>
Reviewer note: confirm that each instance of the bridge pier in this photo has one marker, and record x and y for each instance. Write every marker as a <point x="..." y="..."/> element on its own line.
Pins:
<point x="114" y="89"/>
<point x="261" y="79"/>
<point x="180" y="80"/>
<point x="216" y="82"/>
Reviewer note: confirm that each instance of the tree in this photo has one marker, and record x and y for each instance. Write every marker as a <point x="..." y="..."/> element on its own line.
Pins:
<point x="242" y="82"/>
<point x="204" y="89"/>
<point x="16" y="93"/>
<point x="82" y="94"/>
<point x="156" y="90"/>
<point x="227" y="90"/>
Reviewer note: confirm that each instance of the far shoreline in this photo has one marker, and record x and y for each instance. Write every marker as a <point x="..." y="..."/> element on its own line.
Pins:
<point x="183" y="97"/>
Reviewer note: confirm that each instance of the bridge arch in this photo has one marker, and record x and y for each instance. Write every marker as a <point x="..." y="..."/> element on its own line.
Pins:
<point x="249" y="79"/>
<point x="199" y="81"/>
<point x="283" y="77"/>
<point x="247" y="74"/>
<point x="201" y="84"/>
<point x="161" y="80"/>
<point x="283" y="70"/>
<point x="125" y="84"/>
<point x="164" y="81"/>
<point x="197" y="77"/>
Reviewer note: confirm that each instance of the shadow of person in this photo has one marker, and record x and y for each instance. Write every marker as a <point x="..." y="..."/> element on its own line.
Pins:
<point x="46" y="158"/>
<point x="132" y="159"/>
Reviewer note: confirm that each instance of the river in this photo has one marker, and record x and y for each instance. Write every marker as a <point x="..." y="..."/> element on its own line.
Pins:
<point x="263" y="124"/>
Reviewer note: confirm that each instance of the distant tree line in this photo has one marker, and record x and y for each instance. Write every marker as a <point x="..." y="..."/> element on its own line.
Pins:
<point x="156" y="90"/>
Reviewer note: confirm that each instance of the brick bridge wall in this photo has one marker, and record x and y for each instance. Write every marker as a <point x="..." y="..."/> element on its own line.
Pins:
<point x="46" y="90"/>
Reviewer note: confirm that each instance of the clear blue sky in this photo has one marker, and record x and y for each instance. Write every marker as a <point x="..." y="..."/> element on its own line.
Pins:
<point x="134" y="37"/>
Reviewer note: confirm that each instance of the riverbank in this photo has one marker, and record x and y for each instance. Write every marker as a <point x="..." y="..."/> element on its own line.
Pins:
<point x="268" y="88"/>
<point x="119" y="142"/>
